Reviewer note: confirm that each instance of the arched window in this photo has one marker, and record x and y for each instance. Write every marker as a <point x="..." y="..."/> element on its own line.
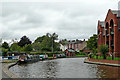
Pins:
<point x="107" y="27"/>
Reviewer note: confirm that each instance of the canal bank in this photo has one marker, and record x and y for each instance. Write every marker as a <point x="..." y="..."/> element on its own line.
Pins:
<point x="114" y="63"/>
<point x="5" y="70"/>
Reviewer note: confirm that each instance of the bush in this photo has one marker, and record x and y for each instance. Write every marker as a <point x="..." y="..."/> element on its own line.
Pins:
<point x="48" y="53"/>
<point x="104" y="49"/>
<point x="91" y="55"/>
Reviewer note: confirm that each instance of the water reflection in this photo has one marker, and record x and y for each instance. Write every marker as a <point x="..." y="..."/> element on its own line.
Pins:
<point x="65" y="68"/>
<point x="108" y="72"/>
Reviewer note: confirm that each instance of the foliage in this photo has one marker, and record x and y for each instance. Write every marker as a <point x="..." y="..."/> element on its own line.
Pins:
<point x="48" y="53"/>
<point x="81" y="55"/>
<point x="104" y="49"/>
<point x="95" y="51"/>
<point x="46" y="43"/>
<point x="28" y="48"/>
<point x="5" y="45"/>
<point x="63" y="41"/>
<point x="76" y="52"/>
<point x="4" y="52"/>
<point x="24" y="40"/>
<point x="80" y="51"/>
<point x="39" y="39"/>
<point x="15" y="47"/>
<point x="91" y="55"/>
<point x="92" y="42"/>
<point x="36" y="46"/>
<point x="56" y="46"/>
<point x="108" y="58"/>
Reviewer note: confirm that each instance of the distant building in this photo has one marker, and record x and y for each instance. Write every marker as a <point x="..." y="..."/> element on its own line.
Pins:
<point x="109" y="32"/>
<point x="86" y="50"/>
<point x="75" y="45"/>
<point x="63" y="47"/>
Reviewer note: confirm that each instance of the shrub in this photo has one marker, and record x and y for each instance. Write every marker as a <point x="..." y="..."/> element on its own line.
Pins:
<point x="104" y="49"/>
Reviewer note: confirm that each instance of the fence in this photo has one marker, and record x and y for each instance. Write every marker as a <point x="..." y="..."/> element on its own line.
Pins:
<point x="9" y="58"/>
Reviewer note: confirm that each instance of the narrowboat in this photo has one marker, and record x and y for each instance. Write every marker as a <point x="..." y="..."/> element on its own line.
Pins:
<point x="43" y="57"/>
<point x="60" y="55"/>
<point x="25" y="58"/>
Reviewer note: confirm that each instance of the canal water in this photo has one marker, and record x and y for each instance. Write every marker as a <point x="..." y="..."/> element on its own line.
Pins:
<point x="65" y="68"/>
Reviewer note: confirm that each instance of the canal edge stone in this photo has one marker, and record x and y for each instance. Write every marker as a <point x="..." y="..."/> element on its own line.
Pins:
<point x="99" y="63"/>
<point x="5" y="68"/>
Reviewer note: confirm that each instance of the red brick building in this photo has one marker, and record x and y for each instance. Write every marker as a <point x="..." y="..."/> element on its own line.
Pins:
<point x="73" y="46"/>
<point x="109" y="32"/>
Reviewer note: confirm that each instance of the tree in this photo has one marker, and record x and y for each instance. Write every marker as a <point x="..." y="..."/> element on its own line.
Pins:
<point x="95" y="50"/>
<point x="4" y="52"/>
<point x="15" y="47"/>
<point x="5" y="45"/>
<point x="24" y="40"/>
<point x="92" y="42"/>
<point x="56" y="46"/>
<point x="27" y="48"/>
<point x="46" y="44"/>
<point x="104" y="49"/>
<point x="39" y="39"/>
<point x="63" y="41"/>
<point x="36" y="46"/>
<point x="54" y="37"/>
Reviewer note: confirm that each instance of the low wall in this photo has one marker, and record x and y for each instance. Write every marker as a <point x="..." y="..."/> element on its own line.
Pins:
<point x="105" y="61"/>
<point x="5" y="68"/>
<point x="114" y="63"/>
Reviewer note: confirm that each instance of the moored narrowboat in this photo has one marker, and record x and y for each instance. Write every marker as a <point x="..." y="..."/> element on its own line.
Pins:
<point x="25" y="58"/>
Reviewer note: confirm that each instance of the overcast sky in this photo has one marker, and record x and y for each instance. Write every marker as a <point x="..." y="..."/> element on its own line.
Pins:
<point x="70" y="20"/>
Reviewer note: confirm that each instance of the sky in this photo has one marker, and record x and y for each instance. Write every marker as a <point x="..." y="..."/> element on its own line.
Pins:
<point x="70" y="19"/>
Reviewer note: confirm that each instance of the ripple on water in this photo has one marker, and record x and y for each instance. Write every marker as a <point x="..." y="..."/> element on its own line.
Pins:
<point x="64" y="68"/>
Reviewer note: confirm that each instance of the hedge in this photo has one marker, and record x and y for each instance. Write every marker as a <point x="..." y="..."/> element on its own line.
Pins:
<point x="48" y="53"/>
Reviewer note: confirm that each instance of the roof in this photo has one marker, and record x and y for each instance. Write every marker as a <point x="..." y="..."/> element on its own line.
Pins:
<point x="102" y="23"/>
<point x="116" y="12"/>
<point x="75" y="42"/>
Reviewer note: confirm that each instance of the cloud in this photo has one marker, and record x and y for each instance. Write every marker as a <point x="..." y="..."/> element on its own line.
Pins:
<point x="71" y="20"/>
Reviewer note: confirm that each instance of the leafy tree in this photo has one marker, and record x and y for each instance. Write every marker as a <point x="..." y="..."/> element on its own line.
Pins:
<point x="92" y="42"/>
<point x="63" y="41"/>
<point x="45" y="49"/>
<point x="24" y="40"/>
<point x="39" y="39"/>
<point x="15" y="47"/>
<point x="4" y="52"/>
<point x="28" y="48"/>
<point x="56" y="46"/>
<point x="36" y="46"/>
<point x="5" y="45"/>
<point x="104" y="49"/>
<point x="54" y="37"/>
<point x="95" y="50"/>
<point x="46" y="44"/>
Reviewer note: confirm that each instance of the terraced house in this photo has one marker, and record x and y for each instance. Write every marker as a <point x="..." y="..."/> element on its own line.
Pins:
<point x="109" y="32"/>
<point x="75" y="45"/>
